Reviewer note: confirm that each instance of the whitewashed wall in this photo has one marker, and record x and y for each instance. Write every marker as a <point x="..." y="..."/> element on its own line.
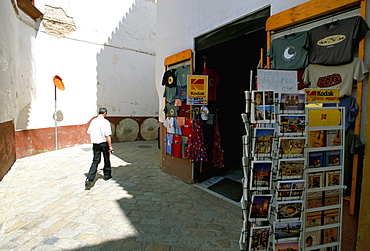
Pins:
<point x="179" y="22"/>
<point x="108" y="61"/>
<point x="17" y="80"/>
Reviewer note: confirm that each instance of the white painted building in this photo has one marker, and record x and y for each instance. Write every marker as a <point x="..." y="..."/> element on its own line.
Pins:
<point x="104" y="53"/>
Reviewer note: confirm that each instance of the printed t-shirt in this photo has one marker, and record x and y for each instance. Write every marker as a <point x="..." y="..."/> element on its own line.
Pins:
<point x="169" y="140"/>
<point x="176" y="146"/>
<point x="335" y="77"/>
<point x="186" y="129"/>
<point x="177" y="127"/>
<point x="335" y="43"/>
<point x="182" y="73"/>
<point x="170" y="94"/>
<point x="169" y="124"/>
<point x="287" y="53"/>
<point x="181" y="92"/>
<point x="171" y="110"/>
<point x="169" y="78"/>
<point x="213" y="80"/>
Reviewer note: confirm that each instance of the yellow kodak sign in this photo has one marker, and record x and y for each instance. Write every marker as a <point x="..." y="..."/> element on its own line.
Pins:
<point x="324" y="117"/>
<point x="197" y="90"/>
<point x="322" y="95"/>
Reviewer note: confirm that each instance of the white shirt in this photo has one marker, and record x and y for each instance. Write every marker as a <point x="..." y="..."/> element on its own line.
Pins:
<point x="99" y="128"/>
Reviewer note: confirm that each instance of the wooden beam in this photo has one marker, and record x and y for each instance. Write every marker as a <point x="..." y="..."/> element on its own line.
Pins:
<point x="361" y="54"/>
<point x="179" y="57"/>
<point x="307" y="11"/>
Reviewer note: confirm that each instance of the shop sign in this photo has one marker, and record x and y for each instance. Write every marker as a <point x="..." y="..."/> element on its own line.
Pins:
<point x="197" y="90"/>
<point x="277" y="81"/>
<point x="324" y="117"/>
<point x="322" y="95"/>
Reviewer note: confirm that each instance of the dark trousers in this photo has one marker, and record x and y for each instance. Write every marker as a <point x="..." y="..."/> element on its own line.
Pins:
<point x="98" y="149"/>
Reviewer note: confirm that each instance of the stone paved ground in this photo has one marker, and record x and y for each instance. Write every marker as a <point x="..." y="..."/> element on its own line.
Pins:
<point x="44" y="205"/>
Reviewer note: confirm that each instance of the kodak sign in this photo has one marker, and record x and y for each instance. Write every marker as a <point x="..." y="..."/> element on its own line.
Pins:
<point x="322" y="95"/>
<point x="197" y="92"/>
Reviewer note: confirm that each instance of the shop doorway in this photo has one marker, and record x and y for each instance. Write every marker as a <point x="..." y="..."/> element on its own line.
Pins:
<point x="233" y="61"/>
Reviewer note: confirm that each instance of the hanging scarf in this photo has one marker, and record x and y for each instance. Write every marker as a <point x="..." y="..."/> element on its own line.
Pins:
<point x="218" y="152"/>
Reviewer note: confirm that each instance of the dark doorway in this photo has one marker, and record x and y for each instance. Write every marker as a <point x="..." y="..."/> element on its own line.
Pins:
<point x="233" y="60"/>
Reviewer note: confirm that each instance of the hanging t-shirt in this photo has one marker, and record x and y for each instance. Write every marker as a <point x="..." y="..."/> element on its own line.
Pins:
<point x="171" y="110"/>
<point x="169" y="78"/>
<point x="335" y="77"/>
<point x="169" y="124"/>
<point x="181" y="92"/>
<point x="213" y="80"/>
<point x="182" y="73"/>
<point x="350" y="103"/>
<point x="335" y="43"/>
<point x="176" y="146"/>
<point x="177" y="127"/>
<point x="287" y="53"/>
<point x="168" y="139"/>
<point x="186" y="129"/>
<point x="170" y="94"/>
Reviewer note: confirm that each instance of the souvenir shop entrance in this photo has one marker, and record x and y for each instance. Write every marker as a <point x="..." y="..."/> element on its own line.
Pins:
<point x="229" y="60"/>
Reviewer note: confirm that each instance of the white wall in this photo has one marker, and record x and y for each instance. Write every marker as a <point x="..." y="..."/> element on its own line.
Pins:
<point x="16" y="72"/>
<point x="108" y="61"/>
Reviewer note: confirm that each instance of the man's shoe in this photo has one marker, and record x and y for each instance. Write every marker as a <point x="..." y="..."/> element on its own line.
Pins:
<point x="88" y="184"/>
<point x="108" y="177"/>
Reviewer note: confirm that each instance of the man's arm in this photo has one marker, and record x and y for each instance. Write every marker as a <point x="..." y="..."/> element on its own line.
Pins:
<point x="109" y="141"/>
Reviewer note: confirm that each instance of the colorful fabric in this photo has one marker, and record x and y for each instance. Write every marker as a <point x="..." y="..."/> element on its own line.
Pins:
<point x="196" y="150"/>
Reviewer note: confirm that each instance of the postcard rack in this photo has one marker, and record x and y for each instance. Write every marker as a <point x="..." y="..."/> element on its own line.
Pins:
<point x="280" y="182"/>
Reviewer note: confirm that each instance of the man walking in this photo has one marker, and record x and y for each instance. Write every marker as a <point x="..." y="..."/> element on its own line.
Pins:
<point x="100" y="132"/>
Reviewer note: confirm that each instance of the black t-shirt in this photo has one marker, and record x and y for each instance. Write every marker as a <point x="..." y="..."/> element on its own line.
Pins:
<point x="335" y="43"/>
<point x="169" y="78"/>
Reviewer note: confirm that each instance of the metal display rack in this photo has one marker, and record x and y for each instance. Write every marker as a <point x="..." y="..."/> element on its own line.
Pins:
<point x="278" y="187"/>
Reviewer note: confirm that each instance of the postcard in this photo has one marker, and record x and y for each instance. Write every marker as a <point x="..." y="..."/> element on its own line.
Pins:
<point x="316" y="139"/>
<point x="331" y="216"/>
<point x="292" y="146"/>
<point x="313" y="219"/>
<point x="290" y="189"/>
<point x="313" y="238"/>
<point x="259" y="238"/>
<point x="291" y="246"/>
<point x="260" y="209"/>
<point x="284" y="231"/>
<point x="292" y="124"/>
<point x="261" y="175"/>
<point x="316" y="159"/>
<point x="332" y="178"/>
<point x="289" y="210"/>
<point x="334" y="137"/>
<point x="333" y="158"/>
<point x="330" y="235"/>
<point x="314" y="199"/>
<point x="331" y="197"/>
<point x="262" y="107"/>
<point x="292" y="102"/>
<point x="315" y="180"/>
<point x="291" y="168"/>
<point x="263" y="141"/>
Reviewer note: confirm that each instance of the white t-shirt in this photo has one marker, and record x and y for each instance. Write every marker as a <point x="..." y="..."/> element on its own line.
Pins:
<point x="169" y="124"/>
<point x="335" y="77"/>
<point x="99" y="128"/>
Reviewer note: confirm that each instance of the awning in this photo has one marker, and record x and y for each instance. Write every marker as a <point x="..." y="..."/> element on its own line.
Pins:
<point x="238" y="28"/>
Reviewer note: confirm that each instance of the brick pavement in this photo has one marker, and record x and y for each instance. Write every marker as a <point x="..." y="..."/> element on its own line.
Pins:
<point x="44" y="205"/>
